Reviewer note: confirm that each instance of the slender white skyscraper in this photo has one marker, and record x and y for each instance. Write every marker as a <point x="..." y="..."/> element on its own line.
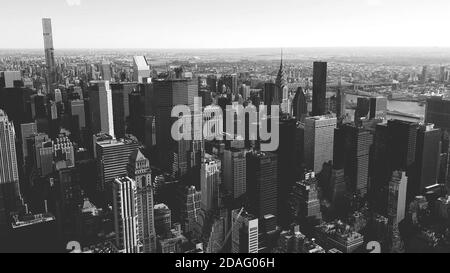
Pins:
<point x="101" y="107"/>
<point x="49" y="51"/>
<point x="125" y="214"/>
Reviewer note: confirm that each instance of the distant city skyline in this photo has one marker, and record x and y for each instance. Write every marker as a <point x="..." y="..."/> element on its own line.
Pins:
<point x="175" y="24"/>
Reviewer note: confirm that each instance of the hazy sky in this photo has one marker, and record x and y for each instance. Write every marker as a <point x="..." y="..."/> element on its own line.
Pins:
<point x="226" y="23"/>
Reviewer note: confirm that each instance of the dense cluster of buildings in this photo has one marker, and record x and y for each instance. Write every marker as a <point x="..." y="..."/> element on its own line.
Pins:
<point x="88" y="156"/>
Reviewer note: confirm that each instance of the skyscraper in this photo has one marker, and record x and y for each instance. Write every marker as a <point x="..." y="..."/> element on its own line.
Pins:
<point x="26" y="130"/>
<point x="190" y="208"/>
<point x="341" y="101"/>
<point x="9" y="175"/>
<point x="235" y="172"/>
<point x="437" y="111"/>
<point x="300" y="105"/>
<point x="106" y="71"/>
<point x="319" y="140"/>
<point x="402" y="137"/>
<point x="125" y="211"/>
<point x="209" y="183"/>
<point x="8" y="160"/>
<point x="141" y="69"/>
<point x="169" y="94"/>
<point x="378" y="108"/>
<point x="286" y="164"/>
<point x="319" y="88"/>
<point x="101" y="107"/>
<point x="397" y="197"/>
<point x="112" y="159"/>
<point x="426" y="166"/>
<point x="139" y="170"/>
<point x="262" y="181"/>
<point x="77" y="109"/>
<point x="352" y="146"/>
<point x="281" y="88"/>
<point x="49" y="52"/>
<point x="244" y="233"/>
<point x="121" y="106"/>
<point x="305" y="201"/>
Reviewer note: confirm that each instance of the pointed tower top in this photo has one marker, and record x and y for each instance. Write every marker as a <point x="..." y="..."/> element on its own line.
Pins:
<point x="137" y="156"/>
<point x="281" y="77"/>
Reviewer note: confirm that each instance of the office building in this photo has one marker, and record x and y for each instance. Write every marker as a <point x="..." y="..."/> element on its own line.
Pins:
<point x="9" y="175"/>
<point x="437" y="112"/>
<point x="26" y="130"/>
<point x="112" y="159"/>
<point x="262" y="181"/>
<point x="125" y="211"/>
<point x="139" y="170"/>
<point x="318" y="141"/>
<point x="10" y="77"/>
<point x="244" y="233"/>
<point x="101" y="107"/>
<point x="300" y="105"/>
<point x="286" y="164"/>
<point x="378" y="108"/>
<point x="397" y="197"/>
<point x="163" y="219"/>
<point x="8" y="160"/>
<point x="341" y="101"/>
<point x="319" y="88"/>
<point x="304" y="199"/>
<point x="402" y="136"/>
<point x="106" y="71"/>
<point x="141" y="69"/>
<point x="426" y="167"/>
<point x="121" y="106"/>
<point x="210" y="179"/>
<point x="352" y="146"/>
<point x="77" y="109"/>
<point x="235" y="172"/>
<point x="169" y="94"/>
<point x="190" y="208"/>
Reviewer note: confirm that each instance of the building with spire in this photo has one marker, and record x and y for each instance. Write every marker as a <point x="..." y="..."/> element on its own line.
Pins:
<point x="281" y="88"/>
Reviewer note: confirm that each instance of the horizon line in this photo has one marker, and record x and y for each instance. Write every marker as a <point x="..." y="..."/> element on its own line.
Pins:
<point x="228" y="48"/>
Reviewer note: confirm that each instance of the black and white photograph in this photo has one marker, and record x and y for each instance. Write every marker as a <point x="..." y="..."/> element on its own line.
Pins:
<point x="279" y="128"/>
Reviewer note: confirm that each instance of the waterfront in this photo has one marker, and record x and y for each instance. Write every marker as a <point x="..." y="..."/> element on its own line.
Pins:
<point x="407" y="107"/>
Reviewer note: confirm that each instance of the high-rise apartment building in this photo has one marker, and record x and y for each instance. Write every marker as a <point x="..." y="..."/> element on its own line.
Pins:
<point x="49" y="52"/>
